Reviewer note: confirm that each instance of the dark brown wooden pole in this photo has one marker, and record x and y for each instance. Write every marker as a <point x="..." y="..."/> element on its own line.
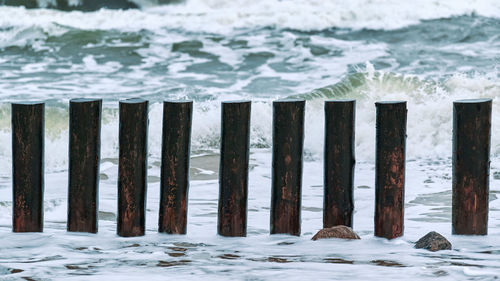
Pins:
<point x="28" y="122"/>
<point x="471" y="166"/>
<point x="390" y="169"/>
<point x="132" y="167"/>
<point x="174" y="185"/>
<point x="338" y="201"/>
<point x="288" y="142"/>
<point x="84" y="157"/>
<point x="233" y="169"/>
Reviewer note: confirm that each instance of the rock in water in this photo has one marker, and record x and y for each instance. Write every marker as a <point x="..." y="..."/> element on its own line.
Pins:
<point x="433" y="241"/>
<point x="339" y="231"/>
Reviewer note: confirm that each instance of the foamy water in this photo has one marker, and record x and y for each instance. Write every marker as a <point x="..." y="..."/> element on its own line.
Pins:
<point x="428" y="53"/>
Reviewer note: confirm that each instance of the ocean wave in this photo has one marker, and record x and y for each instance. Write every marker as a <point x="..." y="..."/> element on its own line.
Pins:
<point x="222" y="16"/>
<point x="429" y="117"/>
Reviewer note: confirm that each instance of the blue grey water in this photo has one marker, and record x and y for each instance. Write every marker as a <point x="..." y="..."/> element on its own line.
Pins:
<point x="428" y="53"/>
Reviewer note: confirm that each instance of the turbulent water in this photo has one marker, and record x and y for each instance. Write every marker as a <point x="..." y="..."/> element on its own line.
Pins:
<point x="428" y="53"/>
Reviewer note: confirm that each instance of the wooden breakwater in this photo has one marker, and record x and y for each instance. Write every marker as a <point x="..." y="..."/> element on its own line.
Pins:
<point x="470" y="183"/>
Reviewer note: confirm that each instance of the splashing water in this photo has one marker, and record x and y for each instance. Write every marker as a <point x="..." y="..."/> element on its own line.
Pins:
<point x="428" y="53"/>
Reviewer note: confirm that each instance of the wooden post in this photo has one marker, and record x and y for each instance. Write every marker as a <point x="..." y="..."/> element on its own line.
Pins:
<point x="132" y="167"/>
<point x="471" y="166"/>
<point x="288" y="142"/>
<point x="390" y="169"/>
<point x="338" y="204"/>
<point x="28" y="122"/>
<point x="84" y="157"/>
<point x="174" y="185"/>
<point x="233" y="169"/>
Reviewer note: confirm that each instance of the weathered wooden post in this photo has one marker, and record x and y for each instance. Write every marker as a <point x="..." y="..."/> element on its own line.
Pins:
<point x="338" y="201"/>
<point x="288" y="142"/>
<point x="28" y="123"/>
<point x="174" y="185"/>
<point x="233" y="169"/>
<point x="390" y="169"/>
<point x="84" y="157"/>
<point x="471" y="166"/>
<point x="132" y="167"/>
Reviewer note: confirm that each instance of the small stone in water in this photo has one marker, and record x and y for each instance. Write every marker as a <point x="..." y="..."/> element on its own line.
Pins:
<point x="15" y="270"/>
<point x="339" y="231"/>
<point x="433" y="241"/>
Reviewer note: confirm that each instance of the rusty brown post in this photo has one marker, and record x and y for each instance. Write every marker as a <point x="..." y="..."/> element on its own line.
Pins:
<point x="233" y="169"/>
<point x="28" y="122"/>
<point x="288" y="142"/>
<point x="84" y="156"/>
<point x="338" y="201"/>
<point x="390" y="169"/>
<point x="471" y="166"/>
<point x="174" y="183"/>
<point x="132" y="167"/>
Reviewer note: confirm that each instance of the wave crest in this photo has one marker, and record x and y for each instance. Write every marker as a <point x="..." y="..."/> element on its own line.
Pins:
<point x="226" y="16"/>
<point x="429" y="118"/>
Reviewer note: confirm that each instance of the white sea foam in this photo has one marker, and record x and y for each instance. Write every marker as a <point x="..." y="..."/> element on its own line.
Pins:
<point x="102" y="68"/>
<point x="429" y="119"/>
<point x="260" y="255"/>
<point x="225" y="15"/>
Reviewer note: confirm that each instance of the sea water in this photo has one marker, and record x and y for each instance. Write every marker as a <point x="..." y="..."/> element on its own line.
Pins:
<point x="426" y="52"/>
